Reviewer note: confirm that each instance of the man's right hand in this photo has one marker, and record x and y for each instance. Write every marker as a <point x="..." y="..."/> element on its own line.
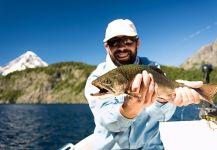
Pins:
<point x="144" y="86"/>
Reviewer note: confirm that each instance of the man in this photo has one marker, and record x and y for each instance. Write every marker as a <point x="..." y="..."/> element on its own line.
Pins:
<point x="126" y="122"/>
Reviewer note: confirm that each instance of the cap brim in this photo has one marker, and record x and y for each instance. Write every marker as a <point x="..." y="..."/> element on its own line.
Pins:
<point x="114" y="35"/>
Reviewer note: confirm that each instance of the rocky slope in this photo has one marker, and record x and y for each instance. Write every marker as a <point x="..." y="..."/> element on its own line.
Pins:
<point x="205" y="55"/>
<point x="56" y="83"/>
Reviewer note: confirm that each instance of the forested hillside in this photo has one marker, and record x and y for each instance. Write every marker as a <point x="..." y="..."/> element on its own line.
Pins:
<point x="64" y="83"/>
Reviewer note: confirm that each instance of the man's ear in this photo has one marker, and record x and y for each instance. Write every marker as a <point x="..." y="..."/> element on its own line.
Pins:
<point x="138" y="43"/>
<point x="106" y="47"/>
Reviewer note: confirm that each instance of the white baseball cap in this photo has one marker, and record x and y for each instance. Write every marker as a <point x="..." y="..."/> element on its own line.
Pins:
<point x="120" y="27"/>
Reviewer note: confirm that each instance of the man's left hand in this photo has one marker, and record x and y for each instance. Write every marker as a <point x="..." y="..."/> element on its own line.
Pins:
<point x="185" y="96"/>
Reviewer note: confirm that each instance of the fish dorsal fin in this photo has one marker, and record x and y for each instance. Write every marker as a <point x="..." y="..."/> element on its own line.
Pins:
<point x="157" y="70"/>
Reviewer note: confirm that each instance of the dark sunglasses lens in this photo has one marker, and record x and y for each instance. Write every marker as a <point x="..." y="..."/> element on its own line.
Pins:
<point x="113" y="43"/>
<point x="126" y="41"/>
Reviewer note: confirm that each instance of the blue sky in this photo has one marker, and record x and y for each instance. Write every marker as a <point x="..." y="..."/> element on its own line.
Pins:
<point x="73" y="30"/>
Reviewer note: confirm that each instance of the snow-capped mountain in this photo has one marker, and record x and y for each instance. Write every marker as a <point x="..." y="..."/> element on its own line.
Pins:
<point x="26" y="60"/>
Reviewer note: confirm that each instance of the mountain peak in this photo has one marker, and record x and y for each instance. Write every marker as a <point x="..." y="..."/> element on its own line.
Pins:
<point x="27" y="60"/>
<point x="205" y="55"/>
<point x="30" y="53"/>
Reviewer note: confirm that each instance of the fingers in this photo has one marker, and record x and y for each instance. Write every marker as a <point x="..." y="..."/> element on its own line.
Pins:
<point x="178" y="99"/>
<point x="146" y="78"/>
<point x="150" y="90"/>
<point x="196" y="96"/>
<point x="144" y="86"/>
<point x="186" y="96"/>
<point x="136" y="83"/>
<point x="155" y="91"/>
<point x="143" y="92"/>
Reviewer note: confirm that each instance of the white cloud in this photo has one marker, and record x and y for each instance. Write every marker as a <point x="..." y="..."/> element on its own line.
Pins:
<point x="208" y="27"/>
<point x="197" y="33"/>
<point x="194" y="34"/>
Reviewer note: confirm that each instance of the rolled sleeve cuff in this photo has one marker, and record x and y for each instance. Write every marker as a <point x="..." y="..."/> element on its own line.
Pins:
<point x="116" y="122"/>
<point x="121" y="118"/>
<point x="161" y="112"/>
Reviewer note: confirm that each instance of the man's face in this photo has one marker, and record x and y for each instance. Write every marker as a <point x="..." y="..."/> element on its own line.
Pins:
<point x="122" y="49"/>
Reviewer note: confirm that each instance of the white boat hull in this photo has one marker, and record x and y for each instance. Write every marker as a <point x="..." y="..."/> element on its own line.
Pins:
<point x="177" y="135"/>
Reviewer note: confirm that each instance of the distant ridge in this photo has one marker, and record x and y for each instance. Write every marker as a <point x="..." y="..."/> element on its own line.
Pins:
<point x="27" y="60"/>
<point x="57" y="83"/>
<point x="206" y="54"/>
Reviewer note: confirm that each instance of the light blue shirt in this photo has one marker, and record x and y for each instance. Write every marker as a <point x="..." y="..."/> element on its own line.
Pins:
<point x="113" y="130"/>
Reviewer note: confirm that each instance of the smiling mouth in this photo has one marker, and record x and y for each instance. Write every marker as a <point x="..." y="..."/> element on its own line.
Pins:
<point x="122" y="55"/>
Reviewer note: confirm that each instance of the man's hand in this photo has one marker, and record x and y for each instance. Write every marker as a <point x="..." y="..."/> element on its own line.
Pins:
<point x="185" y="96"/>
<point x="145" y="90"/>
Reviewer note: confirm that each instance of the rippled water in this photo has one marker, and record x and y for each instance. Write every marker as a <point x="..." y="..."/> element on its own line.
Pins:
<point x="43" y="126"/>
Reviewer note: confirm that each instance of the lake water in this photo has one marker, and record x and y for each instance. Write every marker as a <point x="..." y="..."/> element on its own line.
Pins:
<point x="42" y="127"/>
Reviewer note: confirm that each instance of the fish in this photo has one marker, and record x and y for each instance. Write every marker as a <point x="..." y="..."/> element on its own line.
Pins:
<point x="118" y="81"/>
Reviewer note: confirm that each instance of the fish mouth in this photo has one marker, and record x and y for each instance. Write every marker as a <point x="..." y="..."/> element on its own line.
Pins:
<point x="103" y="90"/>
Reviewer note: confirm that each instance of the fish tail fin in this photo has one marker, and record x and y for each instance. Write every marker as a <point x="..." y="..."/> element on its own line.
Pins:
<point x="208" y="91"/>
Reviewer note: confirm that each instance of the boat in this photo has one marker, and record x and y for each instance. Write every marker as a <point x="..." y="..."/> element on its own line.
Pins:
<point x="175" y="135"/>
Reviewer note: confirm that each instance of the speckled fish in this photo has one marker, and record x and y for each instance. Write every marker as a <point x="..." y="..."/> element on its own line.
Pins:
<point x="118" y="81"/>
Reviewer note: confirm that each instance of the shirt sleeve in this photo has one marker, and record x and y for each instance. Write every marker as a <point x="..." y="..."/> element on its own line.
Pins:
<point x="106" y="111"/>
<point x="161" y="112"/>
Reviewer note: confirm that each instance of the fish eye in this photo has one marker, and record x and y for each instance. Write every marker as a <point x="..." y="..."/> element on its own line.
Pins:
<point x="107" y="81"/>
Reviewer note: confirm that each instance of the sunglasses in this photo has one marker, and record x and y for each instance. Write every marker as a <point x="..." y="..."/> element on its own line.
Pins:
<point x="124" y="40"/>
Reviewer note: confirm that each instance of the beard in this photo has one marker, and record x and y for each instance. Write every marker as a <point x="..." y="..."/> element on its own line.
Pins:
<point x="123" y="57"/>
